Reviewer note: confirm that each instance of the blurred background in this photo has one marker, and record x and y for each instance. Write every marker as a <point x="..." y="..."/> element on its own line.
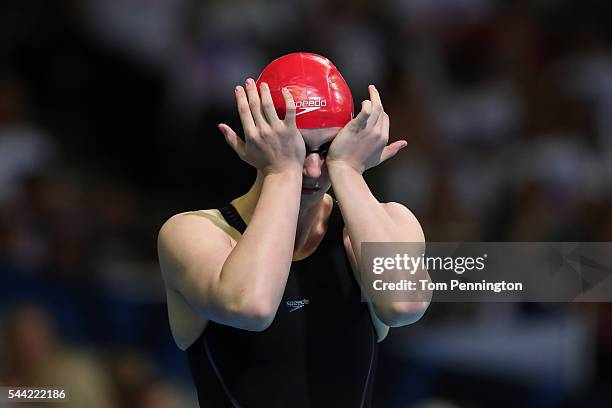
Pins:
<point x="108" y="113"/>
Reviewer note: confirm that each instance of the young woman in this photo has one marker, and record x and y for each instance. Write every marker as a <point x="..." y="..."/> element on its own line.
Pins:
<point x="264" y="293"/>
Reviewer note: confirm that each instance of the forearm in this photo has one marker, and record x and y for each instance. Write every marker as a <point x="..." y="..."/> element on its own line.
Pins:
<point x="365" y="218"/>
<point x="257" y="268"/>
<point x="368" y="221"/>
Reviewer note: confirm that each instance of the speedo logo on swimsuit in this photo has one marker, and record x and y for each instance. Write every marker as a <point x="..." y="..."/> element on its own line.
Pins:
<point x="296" y="304"/>
<point x="312" y="104"/>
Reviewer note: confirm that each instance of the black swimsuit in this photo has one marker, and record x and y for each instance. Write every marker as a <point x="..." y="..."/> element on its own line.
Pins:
<point x="320" y="350"/>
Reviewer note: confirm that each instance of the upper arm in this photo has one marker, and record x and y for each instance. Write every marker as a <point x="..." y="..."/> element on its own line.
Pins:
<point x="192" y="251"/>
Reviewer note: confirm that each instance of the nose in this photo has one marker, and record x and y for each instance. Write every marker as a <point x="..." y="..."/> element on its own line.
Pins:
<point x="312" y="166"/>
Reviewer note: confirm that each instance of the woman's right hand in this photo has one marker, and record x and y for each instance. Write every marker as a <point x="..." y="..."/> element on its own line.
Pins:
<point x="270" y="144"/>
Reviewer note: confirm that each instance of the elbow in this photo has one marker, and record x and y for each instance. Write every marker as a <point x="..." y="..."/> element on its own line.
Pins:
<point x="252" y="316"/>
<point x="259" y="318"/>
<point x="403" y="313"/>
<point x="244" y="307"/>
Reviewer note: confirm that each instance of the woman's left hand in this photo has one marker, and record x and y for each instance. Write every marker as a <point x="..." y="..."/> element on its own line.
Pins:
<point x="362" y="143"/>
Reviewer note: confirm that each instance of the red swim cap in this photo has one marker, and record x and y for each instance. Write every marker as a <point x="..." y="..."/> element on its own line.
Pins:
<point x="322" y="97"/>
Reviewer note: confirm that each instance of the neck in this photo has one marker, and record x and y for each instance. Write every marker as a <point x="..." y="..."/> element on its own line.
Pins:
<point x="307" y="216"/>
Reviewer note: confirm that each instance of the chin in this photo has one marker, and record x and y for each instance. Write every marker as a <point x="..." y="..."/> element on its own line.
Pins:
<point x="313" y="196"/>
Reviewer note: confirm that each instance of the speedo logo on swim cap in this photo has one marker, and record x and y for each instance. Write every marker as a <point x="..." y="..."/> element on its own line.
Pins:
<point x="310" y="105"/>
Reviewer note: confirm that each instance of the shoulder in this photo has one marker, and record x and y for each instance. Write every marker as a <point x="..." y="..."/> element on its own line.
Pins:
<point x="184" y="219"/>
<point x="194" y="221"/>
<point x="185" y="236"/>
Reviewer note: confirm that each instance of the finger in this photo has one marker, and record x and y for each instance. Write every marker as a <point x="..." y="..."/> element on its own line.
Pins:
<point x="289" y="108"/>
<point x="248" y="124"/>
<point x="384" y="124"/>
<point x="375" y="96"/>
<point x="361" y="120"/>
<point x="382" y="127"/>
<point x="391" y="150"/>
<point x="377" y="108"/>
<point x="267" y="104"/>
<point x="254" y="102"/>
<point x="232" y="139"/>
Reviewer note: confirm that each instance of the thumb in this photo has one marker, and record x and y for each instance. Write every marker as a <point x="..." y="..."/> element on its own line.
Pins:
<point x="391" y="150"/>
<point x="232" y="139"/>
